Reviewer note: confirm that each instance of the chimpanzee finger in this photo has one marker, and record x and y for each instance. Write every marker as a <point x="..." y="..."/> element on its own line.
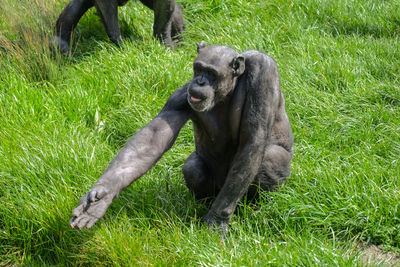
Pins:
<point x="72" y="222"/>
<point x="83" y="221"/>
<point x="76" y="221"/>
<point x="92" y="196"/>
<point x="91" y="222"/>
<point x="77" y="211"/>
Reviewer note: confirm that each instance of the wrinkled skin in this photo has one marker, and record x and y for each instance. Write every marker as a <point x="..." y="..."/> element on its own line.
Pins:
<point x="242" y="135"/>
<point x="168" y="20"/>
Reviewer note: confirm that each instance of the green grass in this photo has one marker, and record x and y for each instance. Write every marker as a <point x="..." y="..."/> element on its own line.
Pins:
<point x="63" y="118"/>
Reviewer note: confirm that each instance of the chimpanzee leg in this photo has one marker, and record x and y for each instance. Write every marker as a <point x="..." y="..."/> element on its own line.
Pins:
<point x="68" y="20"/>
<point x="273" y="172"/>
<point x="163" y="10"/>
<point x="108" y="11"/>
<point x="198" y="177"/>
<point x="177" y="24"/>
<point x="168" y="20"/>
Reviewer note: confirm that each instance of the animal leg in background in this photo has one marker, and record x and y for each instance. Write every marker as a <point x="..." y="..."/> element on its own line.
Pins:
<point x="168" y="20"/>
<point x="108" y="11"/>
<point x="67" y="21"/>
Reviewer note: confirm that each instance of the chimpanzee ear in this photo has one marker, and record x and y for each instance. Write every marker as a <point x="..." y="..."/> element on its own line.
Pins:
<point x="238" y="65"/>
<point x="200" y="45"/>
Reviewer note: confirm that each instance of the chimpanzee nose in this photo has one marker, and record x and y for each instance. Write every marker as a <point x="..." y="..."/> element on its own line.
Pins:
<point x="200" y="80"/>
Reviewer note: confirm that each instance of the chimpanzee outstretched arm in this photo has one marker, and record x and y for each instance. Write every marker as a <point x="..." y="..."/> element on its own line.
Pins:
<point x="261" y="80"/>
<point x="140" y="153"/>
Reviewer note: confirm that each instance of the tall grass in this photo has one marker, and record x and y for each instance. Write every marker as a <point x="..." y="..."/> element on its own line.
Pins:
<point x="24" y="42"/>
<point x="63" y="118"/>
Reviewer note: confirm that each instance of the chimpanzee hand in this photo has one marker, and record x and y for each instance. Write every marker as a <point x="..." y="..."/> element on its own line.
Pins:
<point x="92" y="207"/>
<point x="216" y="223"/>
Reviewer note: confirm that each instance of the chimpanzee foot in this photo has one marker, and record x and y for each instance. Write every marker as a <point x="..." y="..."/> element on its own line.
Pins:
<point x="117" y="41"/>
<point x="59" y="44"/>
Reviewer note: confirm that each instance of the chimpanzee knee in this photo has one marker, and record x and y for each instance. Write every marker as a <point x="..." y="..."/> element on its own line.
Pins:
<point x="274" y="170"/>
<point x="197" y="177"/>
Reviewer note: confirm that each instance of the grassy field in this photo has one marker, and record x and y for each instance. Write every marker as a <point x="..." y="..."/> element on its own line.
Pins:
<point x="63" y="118"/>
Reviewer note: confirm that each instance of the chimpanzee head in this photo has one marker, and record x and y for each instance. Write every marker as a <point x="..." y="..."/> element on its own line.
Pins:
<point x="216" y="69"/>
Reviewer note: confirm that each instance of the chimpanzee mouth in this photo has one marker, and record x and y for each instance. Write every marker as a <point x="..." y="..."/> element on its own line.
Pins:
<point x="199" y="104"/>
<point x="195" y="99"/>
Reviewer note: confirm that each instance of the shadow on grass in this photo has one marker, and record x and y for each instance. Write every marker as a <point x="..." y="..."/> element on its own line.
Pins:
<point x="90" y="36"/>
<point x="359" y="28"/>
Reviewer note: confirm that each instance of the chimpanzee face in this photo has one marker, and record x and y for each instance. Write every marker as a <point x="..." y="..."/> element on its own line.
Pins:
<point x="215" y="71"/>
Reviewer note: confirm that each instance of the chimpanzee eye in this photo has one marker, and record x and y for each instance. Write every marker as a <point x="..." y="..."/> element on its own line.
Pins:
<point x="210" y="75"/>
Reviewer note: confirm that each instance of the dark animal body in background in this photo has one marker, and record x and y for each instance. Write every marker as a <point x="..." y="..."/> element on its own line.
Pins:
<point x="242" y="135"/>
<point x="168" y="20"/>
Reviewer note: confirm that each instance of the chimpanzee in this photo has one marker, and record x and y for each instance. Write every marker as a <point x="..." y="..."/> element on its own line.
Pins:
<point x="242" y="136"/>
<point x="168" y="20"/>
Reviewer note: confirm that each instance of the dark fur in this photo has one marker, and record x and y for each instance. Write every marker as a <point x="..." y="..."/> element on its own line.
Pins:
<point x="242" y="135"/>
<point x="168" y="20"/>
